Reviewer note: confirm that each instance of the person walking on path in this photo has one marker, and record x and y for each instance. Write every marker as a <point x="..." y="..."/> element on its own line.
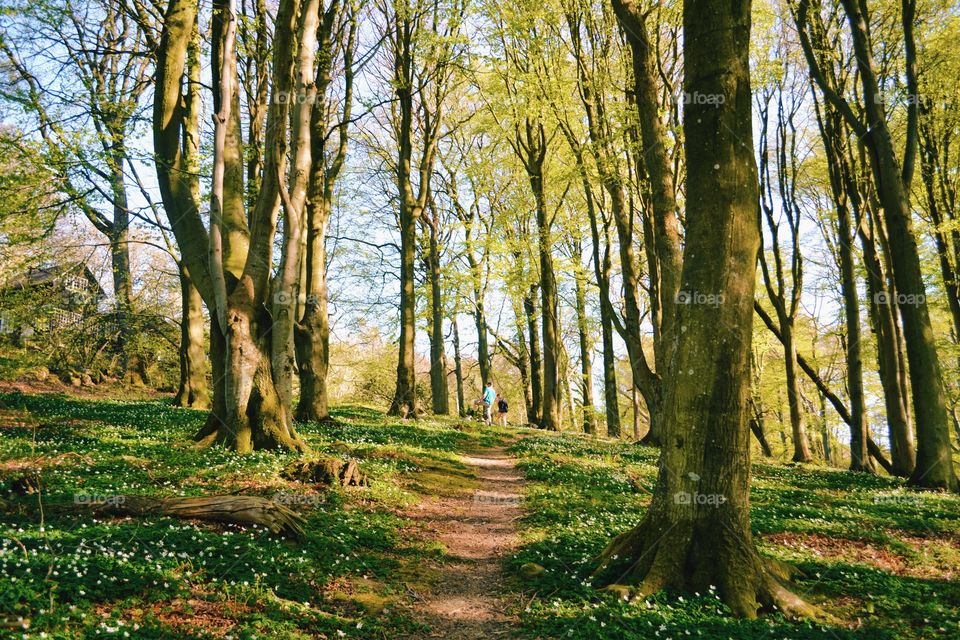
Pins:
<point x="489" y="396"/>
<point x="502" y="409"/>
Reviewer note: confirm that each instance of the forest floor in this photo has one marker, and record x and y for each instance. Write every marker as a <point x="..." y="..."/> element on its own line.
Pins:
<point x="464" y="532"/>
<point x="468" y="597"/>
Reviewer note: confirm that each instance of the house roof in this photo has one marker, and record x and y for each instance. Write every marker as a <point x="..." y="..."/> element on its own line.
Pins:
<point x="49" y="274"/>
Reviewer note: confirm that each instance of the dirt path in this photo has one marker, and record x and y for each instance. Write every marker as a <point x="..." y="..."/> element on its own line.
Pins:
<point x="466" y="600"/>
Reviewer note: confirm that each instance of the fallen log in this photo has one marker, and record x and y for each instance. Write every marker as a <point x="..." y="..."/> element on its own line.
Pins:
<point x="242" y="510"/>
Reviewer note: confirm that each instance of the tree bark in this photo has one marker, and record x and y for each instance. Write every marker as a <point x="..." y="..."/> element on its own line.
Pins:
<point x="586" y="349"/>
<point x="458" y="370"/>
<point x="439" y="393"/>
<point x="702" y="490"/>
<point x="194" y="390"/>
<point x="312" y="332"/>
<point x="652" y="156"/>
<point x="536" y="366"/>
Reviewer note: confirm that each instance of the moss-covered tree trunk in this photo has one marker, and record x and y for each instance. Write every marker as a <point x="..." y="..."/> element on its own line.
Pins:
<point x="255" y="415"/>
<point x="696" y="533"/>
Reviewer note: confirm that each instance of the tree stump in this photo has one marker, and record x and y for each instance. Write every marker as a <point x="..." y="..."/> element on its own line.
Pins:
<point x="327" y="471"/>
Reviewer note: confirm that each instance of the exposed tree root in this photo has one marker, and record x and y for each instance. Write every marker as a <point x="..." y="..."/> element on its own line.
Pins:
<point x="653" y="557"/>
<point x="327" y="471"/>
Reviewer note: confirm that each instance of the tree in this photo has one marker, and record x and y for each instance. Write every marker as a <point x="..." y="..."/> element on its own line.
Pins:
<point x="231" y="264"/>
<point x="85" y="110"/>
<point x="703" y="484"/>
<point x="934" y="467"/>
<point x="785" y="302"/>
<point x="423" y="74"/>
<point x="338" y="33"/>
<point x="653" y="157"/>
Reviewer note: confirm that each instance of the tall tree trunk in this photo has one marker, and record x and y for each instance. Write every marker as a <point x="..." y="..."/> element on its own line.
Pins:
<point x="859" y="429"/>
<point x="131" y="366"/>
<point x="439" y="394"/>
<point x="312" y="332"/>
<point x="703" y="485"/>
<point x="254" y="416"/>
<point x="536" y="365"/>
<point x="601" y="268"/>
<point x="883" y="319"/>
<point x="653" y="157"/>
<point x="458" y="370"/>
<point x="586" y="355"/>
<point x="934" y="467"/>
<point x="834" y="136"/>
<point x="535" y="147"/>
<point x="404" y="400"/>
<point x="194" y="390"/>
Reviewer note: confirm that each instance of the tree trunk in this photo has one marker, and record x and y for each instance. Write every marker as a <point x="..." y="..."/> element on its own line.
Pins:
<point x="586" y="355"/>
<point x="934" y="467"/>
<point x="193" y="391"/>
<point x="653" y="157"/>
<point x="702" y="491"/>
<point x="253" y="415"/>
<point x="801" y="449"/>
<point x="883" y="319"/>
<point x="131" y="366"/>
<point x="834" y="136"/>
<point x="458" y="370"/>
<point x="535" y="146"/>
<point x="404" y="400"/>
<point x="439" y="394"/>
<point x="536" y="376"/>
<point x="859" y="429"/>
<point x="757" y="427"/>
<point x="312" y="334"/>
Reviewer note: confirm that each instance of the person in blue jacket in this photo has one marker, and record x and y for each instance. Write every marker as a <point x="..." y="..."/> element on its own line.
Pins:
<point x="489" y="397"/>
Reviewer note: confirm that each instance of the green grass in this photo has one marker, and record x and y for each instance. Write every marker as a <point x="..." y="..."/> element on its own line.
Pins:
<point x="877" y="556"/>
<point x="847" y="532"/>
<point x="74" y="576"/>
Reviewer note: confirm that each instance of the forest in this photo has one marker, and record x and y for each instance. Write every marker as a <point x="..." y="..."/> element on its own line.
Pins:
<point x="479" y="319"/>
